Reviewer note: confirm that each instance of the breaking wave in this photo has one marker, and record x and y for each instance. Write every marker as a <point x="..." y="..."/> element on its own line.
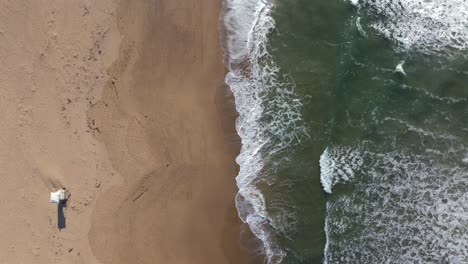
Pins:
<point x="269" y="119"/>
<point x="404" y="208"/>
<point x="338" y="164"/>
<point x="405" y="200"/>
<point x="424" y="25"/>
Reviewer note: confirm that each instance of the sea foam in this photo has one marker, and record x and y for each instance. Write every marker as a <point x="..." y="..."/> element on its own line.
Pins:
<point x="253" y="76"/>
<point x="338" y="164"/>
<point x="407" y="209"/>
<point x="427" y="26"/>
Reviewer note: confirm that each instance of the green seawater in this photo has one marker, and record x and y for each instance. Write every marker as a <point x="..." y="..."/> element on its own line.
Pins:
<point x="394" y="144"/>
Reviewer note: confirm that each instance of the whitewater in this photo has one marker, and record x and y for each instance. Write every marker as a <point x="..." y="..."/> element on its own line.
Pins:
<point x="405" y="201"/>
<point x="253" y="79"/>
<point x="365" y="100"/>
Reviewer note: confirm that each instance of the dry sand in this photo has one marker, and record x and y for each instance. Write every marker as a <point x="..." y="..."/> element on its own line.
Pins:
<point x="50" y="73"/>
<point x="121" y="102"/>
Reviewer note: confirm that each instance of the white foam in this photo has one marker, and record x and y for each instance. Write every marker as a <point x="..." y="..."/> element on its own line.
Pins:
<point x="253" y="76"/>
<point x="406" y="209"/>
<point x="359" y="27"/>
<point x="338" y="164"/>
<point x="465" y="159"/>
<point x="423" y="25"/>
<point x="327" y="237"/>
<point x="449" y="100"/>
<point x="426" y="133"/>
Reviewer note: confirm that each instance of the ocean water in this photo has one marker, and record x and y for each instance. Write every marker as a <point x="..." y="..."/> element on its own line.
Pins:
<point x="353" y="116"/>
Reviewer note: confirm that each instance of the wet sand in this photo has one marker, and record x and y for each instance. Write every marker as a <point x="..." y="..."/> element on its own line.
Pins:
<point x="162" y="121"/>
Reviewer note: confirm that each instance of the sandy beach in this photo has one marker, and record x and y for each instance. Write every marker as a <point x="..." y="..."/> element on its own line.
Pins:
<point x="124" y="104"/>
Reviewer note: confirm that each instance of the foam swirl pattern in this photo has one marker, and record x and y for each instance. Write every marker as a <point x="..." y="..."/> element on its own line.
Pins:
<point x="425" y="25"/>
<point x="269" y="119"/>
<point x="396" y="168"/>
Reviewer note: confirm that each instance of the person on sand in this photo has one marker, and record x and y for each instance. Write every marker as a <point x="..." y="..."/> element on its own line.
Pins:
<point x="66" y="195"/>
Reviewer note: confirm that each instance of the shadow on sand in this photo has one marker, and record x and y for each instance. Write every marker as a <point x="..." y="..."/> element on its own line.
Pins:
<point x="61" y="216"/>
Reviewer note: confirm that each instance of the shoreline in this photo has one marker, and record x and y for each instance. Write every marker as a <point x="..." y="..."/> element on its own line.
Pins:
<point x="126" y="106"/>
<point x="175" y="203"/>
<point x="247" y="25"/>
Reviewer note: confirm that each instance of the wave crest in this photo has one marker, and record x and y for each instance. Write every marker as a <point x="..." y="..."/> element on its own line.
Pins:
<point x="424" y="25"/>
